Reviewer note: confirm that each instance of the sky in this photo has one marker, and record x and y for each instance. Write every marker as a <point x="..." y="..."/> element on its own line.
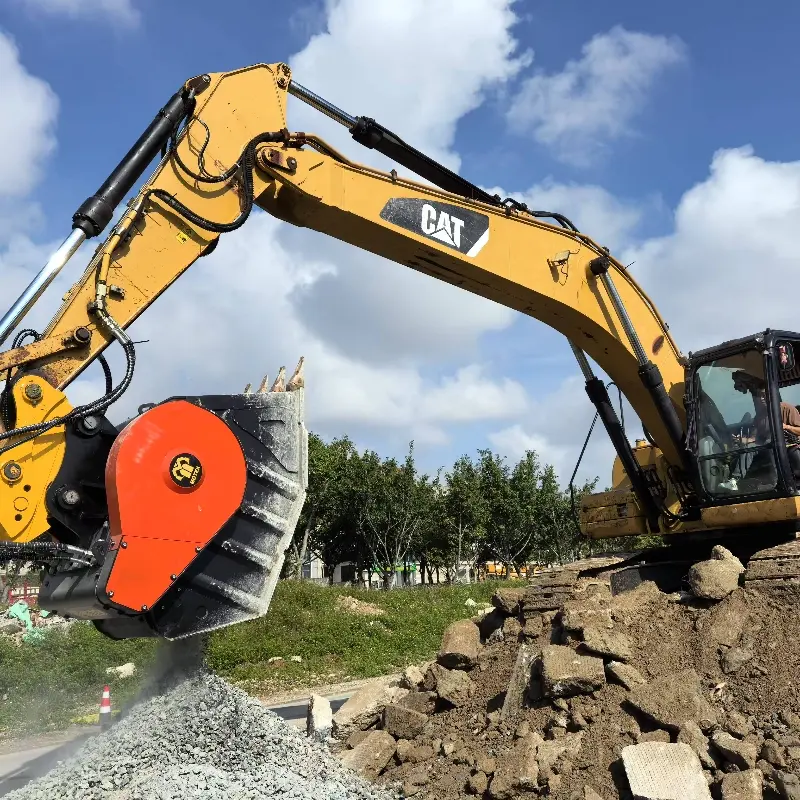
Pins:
<point x="664" y="131"/>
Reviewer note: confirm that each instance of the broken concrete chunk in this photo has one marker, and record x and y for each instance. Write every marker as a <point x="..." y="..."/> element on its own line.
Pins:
<point x="610" y="644"/>
<point x="461" y="644"/>
<point x="423" y="702"/>
<point x="674" y="699"/>
<point x="565" y="673"/>
<point x="518" y="684"/>
<point x="624" y="674"/>
<point x="726" y="621"/>
<point x="371" y="755"/>
<point x="550" y="751"/>
<point x="718" y="577"/>
<point x="319" y="718"/>
<point x="658" y="771"/>
<point x="502" y="786"/>
<point x="452" y="686"/>
<point x="742" y="754"/>
<point x="748" y="785"/>
<point x="508" y="600"/>
<point x="419" y="753"/>
<point x="511" y="628"/>
<point x="590" y="794"/>
<point x="734" y="659"/>
<point x="576" y="617"/>
<point x="402" y="722"/>
<point x="486" y="764"/>
<point x="738" y="724"/>
<point x="533" y="627"/>
<point x="655" y="736"/>
<point x="364" y="707"/>
<point x="412" y="678"/>
<point x="403" y="748"/>
<point x="788" y="785"/>
<point x="691" y="734"/>
<point x="772" y="752"/>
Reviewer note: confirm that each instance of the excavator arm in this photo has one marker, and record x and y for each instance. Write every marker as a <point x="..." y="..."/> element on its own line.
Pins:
<point x="226" y="147"/>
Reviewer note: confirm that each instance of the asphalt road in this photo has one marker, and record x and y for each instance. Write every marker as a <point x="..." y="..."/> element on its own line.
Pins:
<point x="23" y="766"/>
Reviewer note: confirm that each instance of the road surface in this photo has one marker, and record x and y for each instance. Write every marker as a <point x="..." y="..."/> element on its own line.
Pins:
<point x="27" y="764"/>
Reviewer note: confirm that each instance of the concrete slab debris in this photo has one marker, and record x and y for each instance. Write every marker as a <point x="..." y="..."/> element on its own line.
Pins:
<point x="402" y="722"/>
<point x="461" y="644"/>
<point x="658" y="771"/>
<point x="518" y="684"/>
<point x="742" y="754"/>
<point x="609" y="644"/>
<point x="672" y="700"/>
<point x="718" y="577"/>
<point x="565" y="673"/>
<point x="371" y="755"/>
<point x="364" y="707"/>
<point x="748" y="785"/>
<point x="624" y="674"/>
<point x="319" y="718"/>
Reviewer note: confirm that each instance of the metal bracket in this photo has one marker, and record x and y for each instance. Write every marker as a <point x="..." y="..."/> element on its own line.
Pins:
<point x="80" y="337"/>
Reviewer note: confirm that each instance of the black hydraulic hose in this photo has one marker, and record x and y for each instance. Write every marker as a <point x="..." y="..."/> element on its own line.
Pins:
<point x="247" y="162"/>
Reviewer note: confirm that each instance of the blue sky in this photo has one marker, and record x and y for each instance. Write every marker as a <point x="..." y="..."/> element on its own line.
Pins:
<point x="634" y="119"/>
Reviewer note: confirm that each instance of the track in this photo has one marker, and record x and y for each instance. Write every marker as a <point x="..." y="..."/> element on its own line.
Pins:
<point x="776" y="567"/>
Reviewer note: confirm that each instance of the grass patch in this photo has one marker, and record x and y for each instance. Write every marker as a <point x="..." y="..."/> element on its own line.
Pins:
<point x="336" y="646"/>
<point x="43" y="685"/>
<point x="47" y="684"/>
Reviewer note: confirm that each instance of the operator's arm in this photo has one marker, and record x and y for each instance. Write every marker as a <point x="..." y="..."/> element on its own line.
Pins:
<point x="502" y="253"/>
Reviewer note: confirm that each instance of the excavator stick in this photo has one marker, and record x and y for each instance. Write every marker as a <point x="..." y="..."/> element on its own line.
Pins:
<point x="203" y="495"/>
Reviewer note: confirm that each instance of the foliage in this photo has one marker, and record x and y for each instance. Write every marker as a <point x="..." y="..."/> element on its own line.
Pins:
<point x="336" y="646"/>
<point x="381" y="514"/>
<point x="43" y="685"/>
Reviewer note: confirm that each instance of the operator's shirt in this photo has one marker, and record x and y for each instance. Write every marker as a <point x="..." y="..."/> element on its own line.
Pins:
<point x="789" y="416"/>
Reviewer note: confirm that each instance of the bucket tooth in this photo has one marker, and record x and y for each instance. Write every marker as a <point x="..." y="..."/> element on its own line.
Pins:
<point x="297" y="381"/>
<point x="280" y="381"/>
<point x="248" y="388"/>
<point x="262" y="389"/>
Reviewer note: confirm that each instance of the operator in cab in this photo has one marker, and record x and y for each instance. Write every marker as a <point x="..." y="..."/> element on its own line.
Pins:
<point x="790" y="418"/>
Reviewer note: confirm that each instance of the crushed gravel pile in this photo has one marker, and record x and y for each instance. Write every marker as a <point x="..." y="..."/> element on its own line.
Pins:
<point x="202" y="739"/>
<point x="578" y="703"/>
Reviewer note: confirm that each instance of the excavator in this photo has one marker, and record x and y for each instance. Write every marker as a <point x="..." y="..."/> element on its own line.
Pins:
<point x="175" y="523"/>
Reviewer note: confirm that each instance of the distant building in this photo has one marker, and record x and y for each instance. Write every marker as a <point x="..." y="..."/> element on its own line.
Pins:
<point x="345" y="573"/>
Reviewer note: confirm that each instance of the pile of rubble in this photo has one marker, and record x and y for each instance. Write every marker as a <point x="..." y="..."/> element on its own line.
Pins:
<point x="685" y="696"/>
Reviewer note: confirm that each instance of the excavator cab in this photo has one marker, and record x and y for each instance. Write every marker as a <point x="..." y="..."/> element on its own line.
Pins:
<point x="735" y="394"/>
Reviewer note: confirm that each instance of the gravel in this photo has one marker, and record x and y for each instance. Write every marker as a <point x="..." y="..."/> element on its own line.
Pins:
<point x="199" y="739"/>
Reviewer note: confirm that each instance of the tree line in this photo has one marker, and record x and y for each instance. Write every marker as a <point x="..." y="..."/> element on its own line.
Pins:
<point x="382" y="514"/>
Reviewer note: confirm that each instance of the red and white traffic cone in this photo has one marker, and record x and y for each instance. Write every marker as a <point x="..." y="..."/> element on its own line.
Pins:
<point x="105" y="709"/>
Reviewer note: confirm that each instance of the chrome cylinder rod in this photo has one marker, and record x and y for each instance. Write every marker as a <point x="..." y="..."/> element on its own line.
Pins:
<point x="315" y="101"/>
<point x="583" y="362"/>
<point x="37" y="286"/>
<point x="630" y="331"/>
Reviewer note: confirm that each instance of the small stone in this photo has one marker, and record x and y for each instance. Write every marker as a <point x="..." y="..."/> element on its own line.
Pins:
<point x="718" y="577"/>
<point x="743" y="754"/>
<point x="790" y="719"/>
<point x="371" y="755"/>
<point x="590" y="794"/>
<point x="420" y="752"/>
<point x="523" y="729"/>
<point x="793" y="753"/>
<point x="655" y="736"/>
<point x="461" y="645"/>
<point x="734" y="659"/>
<point x="412" y="677"/>
<point x="403" y="749"/>
<point x="609" y="644"/>
<point x="748" y="785"/>
<point x="691" y="734"/>
<point x="738" y="724"/>
<point x="788" y="785"/>
<point x="275" y="660"/>
<point x="624" y="674"/>
<point x="486" y="764"/>
<point x="452" y="686"/>
<point x="511" y="628"/>
<point x="402" y="722"/>
<point x="565" y="673"/>
<point x="296" y="659"/>
<point x="477" y="783"/>
<point x="726" y="621"/>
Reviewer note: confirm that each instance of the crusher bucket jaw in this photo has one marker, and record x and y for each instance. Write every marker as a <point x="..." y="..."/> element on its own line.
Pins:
<point x="182" y="516"/>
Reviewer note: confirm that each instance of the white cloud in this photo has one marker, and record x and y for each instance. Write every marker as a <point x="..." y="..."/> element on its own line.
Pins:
<point x="594" y="99"/>
<point x="611" y="222"/>
<point x="119" y="12"/>
<point x="728" y="268"/>
<point x="27" y="127"/>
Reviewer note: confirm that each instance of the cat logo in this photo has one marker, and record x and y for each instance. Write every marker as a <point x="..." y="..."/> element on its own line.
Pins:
<point x="441" y="226"/>
<point x="185" y="470"/>
<point x="458" y="228"/>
